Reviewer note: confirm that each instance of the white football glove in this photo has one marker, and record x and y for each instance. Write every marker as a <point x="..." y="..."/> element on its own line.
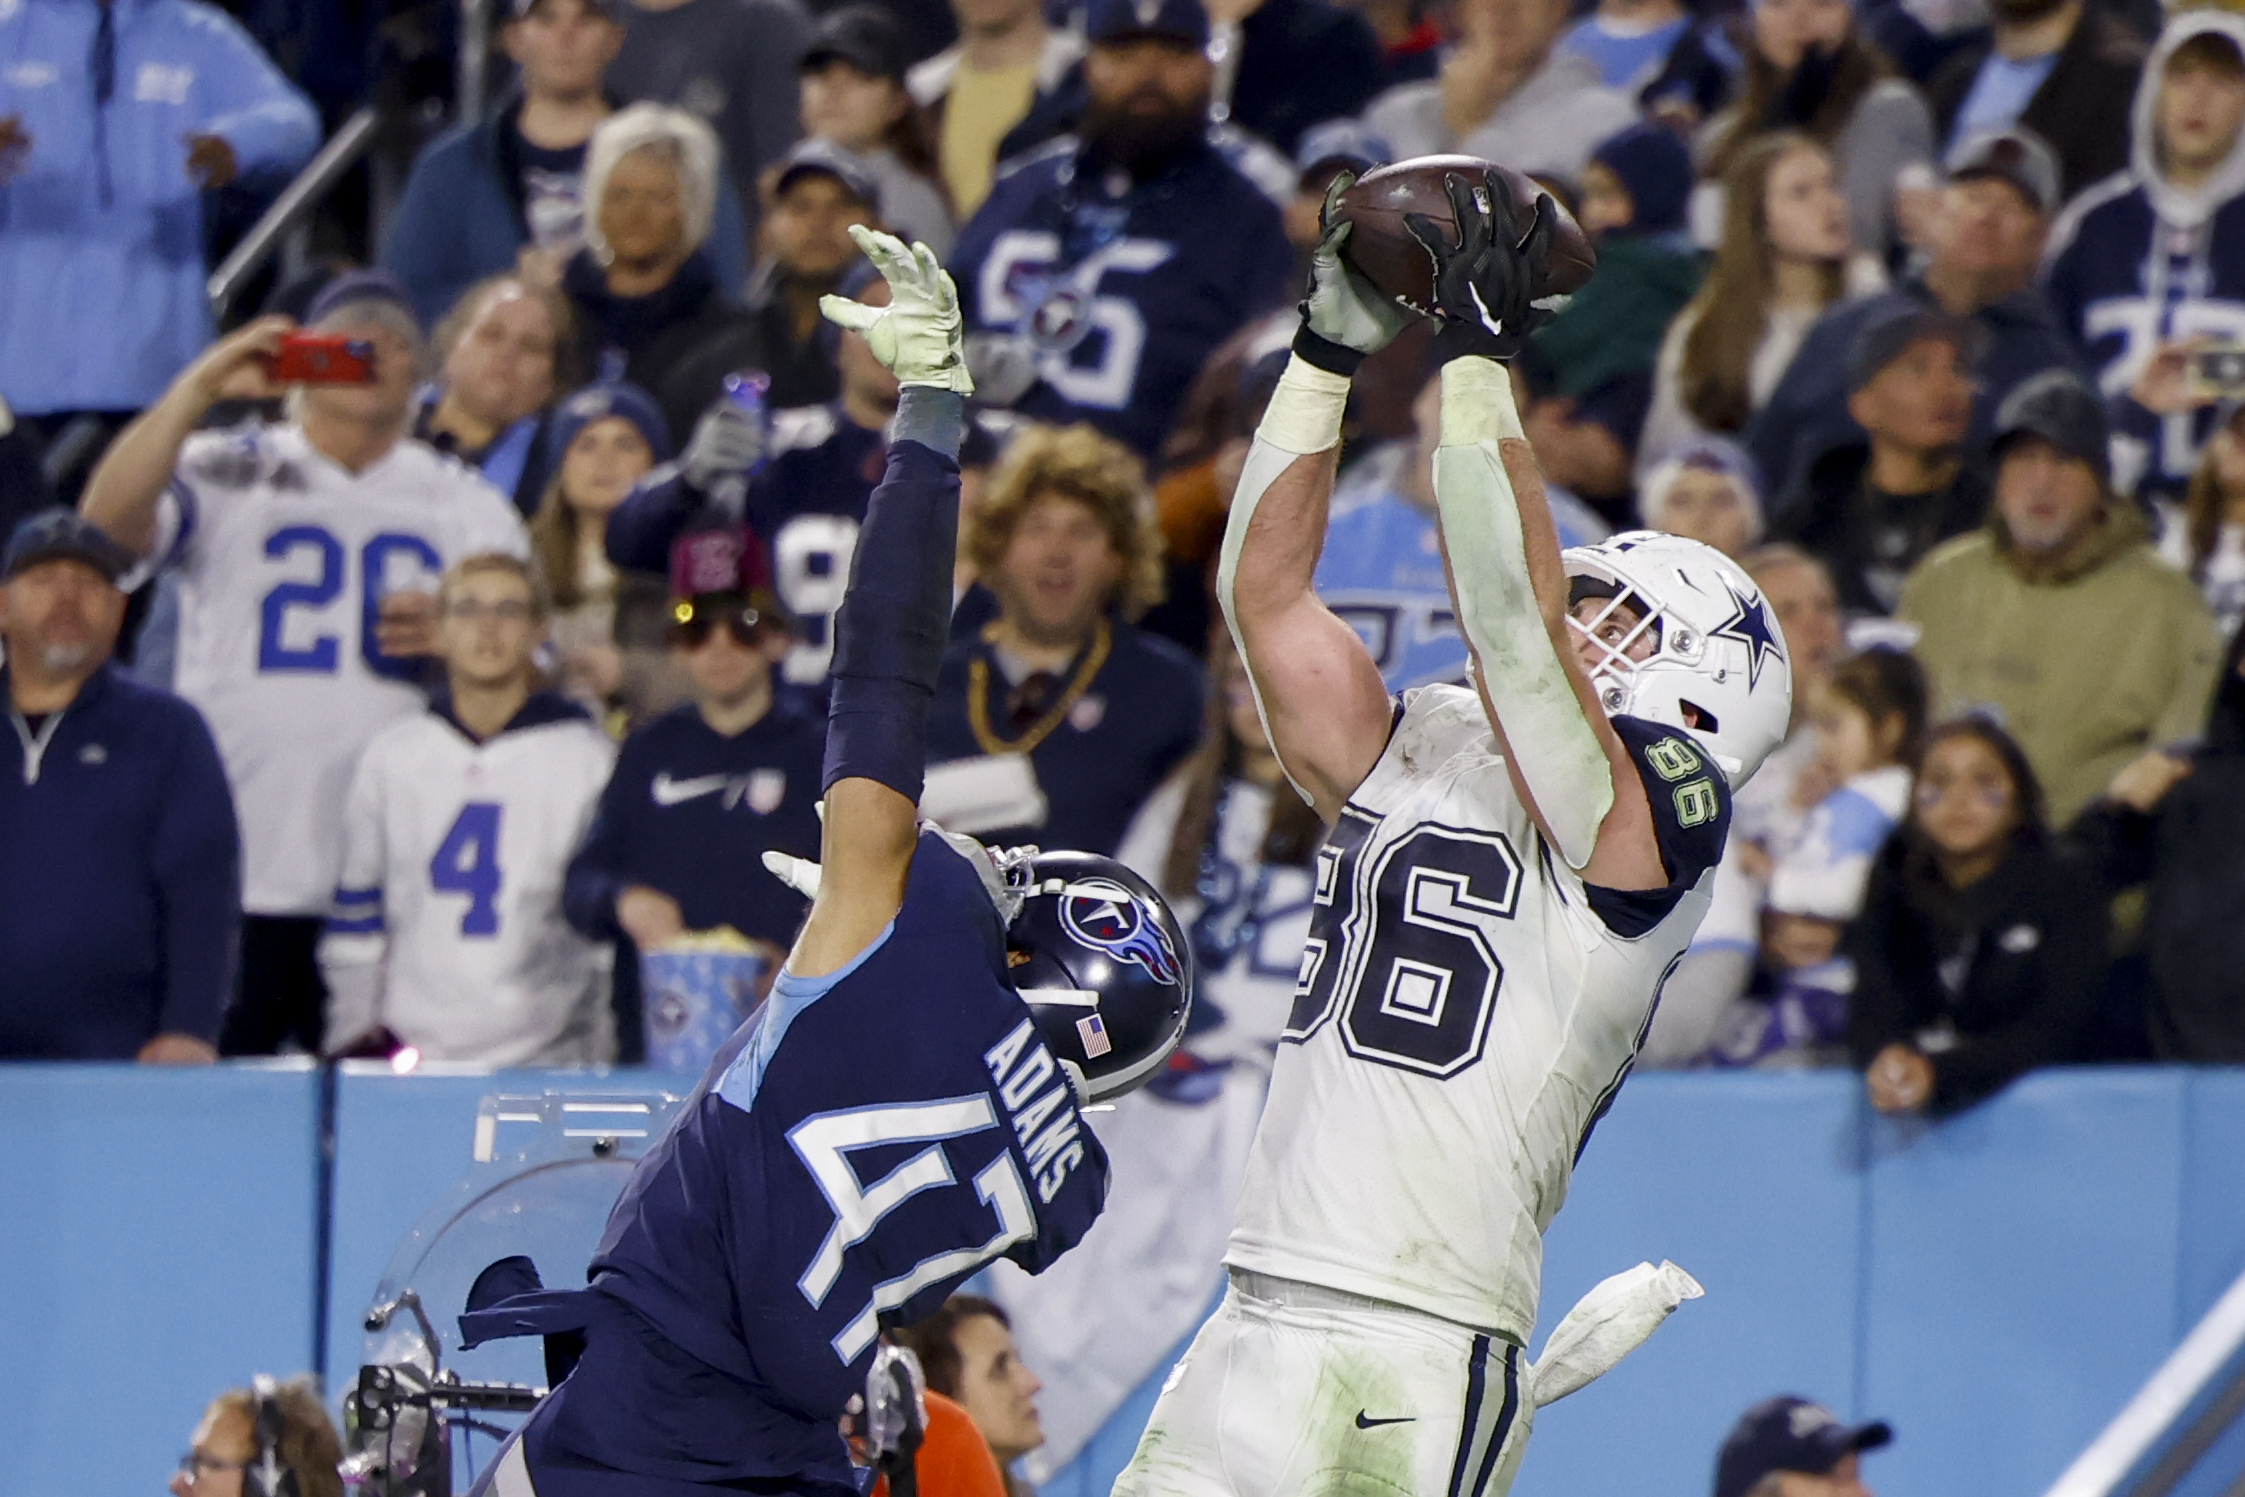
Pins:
<point x="918" y="335"/>
<point x="1342" y="306"/>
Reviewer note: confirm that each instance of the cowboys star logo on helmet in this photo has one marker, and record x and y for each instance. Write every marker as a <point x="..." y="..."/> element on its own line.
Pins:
<point x="1104" y="915"/>
<point x="1751" y="627"/>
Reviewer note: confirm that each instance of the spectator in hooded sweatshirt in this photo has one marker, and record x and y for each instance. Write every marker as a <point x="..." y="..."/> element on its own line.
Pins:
<point x="1986" y="241"/>
<point x="508" y="189"/>
<point x="1507" y="92"/>
<point x="1870" y="511"/>
<point x="2057" y="613"/>
<point x="120" y="866"/>
<point x="115" y="117"/>
<point x="2149" y="265"/>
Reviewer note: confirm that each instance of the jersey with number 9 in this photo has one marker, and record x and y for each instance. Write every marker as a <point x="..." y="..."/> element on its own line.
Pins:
<point x="1466" y="1010"/>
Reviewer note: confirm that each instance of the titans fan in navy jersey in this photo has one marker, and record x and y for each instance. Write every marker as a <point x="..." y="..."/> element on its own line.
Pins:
<point x="2144" y="260"/>
<point x="896" y="1115"/>
<point x="1111" y="275"/>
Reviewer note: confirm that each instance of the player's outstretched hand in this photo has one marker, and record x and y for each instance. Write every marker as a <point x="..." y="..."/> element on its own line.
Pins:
<point x="1342" y="306"/>
<point x="918" y="336"/>
<point x="1484" y="283"/>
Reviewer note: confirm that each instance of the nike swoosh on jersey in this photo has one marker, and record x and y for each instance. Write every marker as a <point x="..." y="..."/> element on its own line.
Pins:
<point x="1364" y="1423"/>
<point x="670" y="792"/>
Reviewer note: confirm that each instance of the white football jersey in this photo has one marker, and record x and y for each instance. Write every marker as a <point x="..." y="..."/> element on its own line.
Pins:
<point x="448" y="924"/>
<point x="1462" y="1018"/>
<point x="284" y="557"/>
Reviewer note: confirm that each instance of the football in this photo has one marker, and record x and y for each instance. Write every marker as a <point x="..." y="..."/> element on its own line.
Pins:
<point x="1382" y="248"/>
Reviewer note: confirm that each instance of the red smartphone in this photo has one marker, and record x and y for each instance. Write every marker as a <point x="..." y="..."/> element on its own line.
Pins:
<point x="321" y="359"/>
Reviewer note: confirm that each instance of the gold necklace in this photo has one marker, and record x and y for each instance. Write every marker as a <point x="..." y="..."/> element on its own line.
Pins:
<point x="978" y="696"/>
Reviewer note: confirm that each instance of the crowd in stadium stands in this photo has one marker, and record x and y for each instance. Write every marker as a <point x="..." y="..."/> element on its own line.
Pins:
<point x="436" y="711"/>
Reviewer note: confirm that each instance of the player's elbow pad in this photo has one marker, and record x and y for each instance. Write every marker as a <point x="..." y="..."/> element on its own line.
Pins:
<point x="894" y="621"/>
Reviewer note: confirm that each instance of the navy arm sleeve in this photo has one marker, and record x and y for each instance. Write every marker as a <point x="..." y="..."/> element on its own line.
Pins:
<point x="196" y="861"/>
<point x="641" y="529"/>
<point x="895" y="619"/>
<point x="1691" y="806"/>
<point x="595" y="877"/>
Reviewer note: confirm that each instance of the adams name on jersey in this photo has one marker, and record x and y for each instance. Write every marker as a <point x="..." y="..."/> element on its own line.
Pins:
<point x="1461" y="983"/>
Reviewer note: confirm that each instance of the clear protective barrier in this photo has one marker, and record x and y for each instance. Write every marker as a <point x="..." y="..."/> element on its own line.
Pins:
<point x="545" y="1173"/>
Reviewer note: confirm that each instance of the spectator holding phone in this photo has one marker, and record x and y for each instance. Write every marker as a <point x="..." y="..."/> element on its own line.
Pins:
<point x="448" y="933"/>
<point x="2206" y="539"/>
<point x="309" y="551"/>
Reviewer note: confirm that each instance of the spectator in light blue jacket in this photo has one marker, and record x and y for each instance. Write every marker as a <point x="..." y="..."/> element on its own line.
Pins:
<point x="484" y="193"/>
<point x="114" y="116"/>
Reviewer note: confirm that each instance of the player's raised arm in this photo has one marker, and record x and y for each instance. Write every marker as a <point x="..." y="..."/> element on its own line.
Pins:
<point x="1322" y="700"/>
<point x="1569" y="766"/>
<point x="895" y="616"/>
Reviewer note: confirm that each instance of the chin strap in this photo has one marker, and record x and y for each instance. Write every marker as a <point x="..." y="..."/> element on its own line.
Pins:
<point x="1551" y="743"/>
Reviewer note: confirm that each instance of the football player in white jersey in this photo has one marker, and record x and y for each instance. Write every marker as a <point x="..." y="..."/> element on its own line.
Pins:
<point x="1511" y="871"/>
<point x="448" y="932"/>
<point x="309" y="552"/>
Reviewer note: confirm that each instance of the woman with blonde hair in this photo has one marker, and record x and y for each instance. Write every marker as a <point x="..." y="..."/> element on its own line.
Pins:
<point x="1785" y="256"/>
<point x="1060" y="716"/>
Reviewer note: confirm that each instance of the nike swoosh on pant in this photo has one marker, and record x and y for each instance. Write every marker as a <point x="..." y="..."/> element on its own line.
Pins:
<point x="670" y="792"/>
<point x="1364" y="1423"/>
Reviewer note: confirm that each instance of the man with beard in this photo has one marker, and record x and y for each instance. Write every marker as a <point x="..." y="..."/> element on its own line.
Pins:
<point x="2064" y="69"/>
<point x="1102" y="270"/>
<point x="120" y="866"/>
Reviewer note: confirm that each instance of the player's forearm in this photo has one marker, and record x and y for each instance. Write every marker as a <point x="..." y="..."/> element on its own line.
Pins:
<point x="1516" y="629"/>
<point x="121" y="496"/>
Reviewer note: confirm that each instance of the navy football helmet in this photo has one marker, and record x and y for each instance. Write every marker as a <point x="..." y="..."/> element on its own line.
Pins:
<point x="1104" y="967"/>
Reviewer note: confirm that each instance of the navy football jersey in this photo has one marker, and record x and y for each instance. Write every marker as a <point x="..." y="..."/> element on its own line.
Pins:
<point x="868" y="1141"/>
<point x="1123" y="289"/>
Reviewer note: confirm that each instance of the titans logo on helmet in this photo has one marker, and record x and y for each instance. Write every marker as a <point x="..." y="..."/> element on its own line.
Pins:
<point x="1103" y="915"/>
<point x="1751" y="626"/>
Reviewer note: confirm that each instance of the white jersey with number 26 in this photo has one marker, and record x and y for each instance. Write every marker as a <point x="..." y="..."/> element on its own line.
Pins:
<point x="1463" y="1016"/>
<point x="285" y="558"/>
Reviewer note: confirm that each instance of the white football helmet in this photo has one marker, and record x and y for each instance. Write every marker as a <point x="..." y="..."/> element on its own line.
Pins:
<point x="1717" y="648"/>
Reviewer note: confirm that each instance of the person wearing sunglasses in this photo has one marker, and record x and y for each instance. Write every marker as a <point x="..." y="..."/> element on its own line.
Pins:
<point x="702" y="791"/>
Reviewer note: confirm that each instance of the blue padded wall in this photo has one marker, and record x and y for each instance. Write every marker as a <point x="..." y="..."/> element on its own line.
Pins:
<point x="157" y="1240"/>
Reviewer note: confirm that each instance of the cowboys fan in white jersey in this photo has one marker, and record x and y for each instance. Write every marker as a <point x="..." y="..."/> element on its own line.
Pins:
<point x="1511" y="872"/>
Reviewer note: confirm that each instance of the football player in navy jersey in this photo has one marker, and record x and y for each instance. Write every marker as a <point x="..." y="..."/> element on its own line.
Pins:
<point x="905" y="1106"/>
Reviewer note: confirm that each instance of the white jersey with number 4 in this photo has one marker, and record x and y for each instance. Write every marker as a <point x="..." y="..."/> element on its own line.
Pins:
<point x="1466" y="1010"/>
<point x="448" y="925"/>
<point x="284" y="558"/>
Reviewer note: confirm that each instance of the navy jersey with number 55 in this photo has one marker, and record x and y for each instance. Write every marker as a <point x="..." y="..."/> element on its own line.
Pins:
<point x="871" y="1140"/>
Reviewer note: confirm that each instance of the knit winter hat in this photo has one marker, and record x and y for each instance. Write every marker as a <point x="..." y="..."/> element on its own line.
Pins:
<point x="1655" y="169"/>
<point x="597" y="402"/>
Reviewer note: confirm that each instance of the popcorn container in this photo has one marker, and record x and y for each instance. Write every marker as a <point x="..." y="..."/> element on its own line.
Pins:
<point x="692" y="998"/>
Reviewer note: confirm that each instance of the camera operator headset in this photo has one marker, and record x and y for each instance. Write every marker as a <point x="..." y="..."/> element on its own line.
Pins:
<point x="266" y="1475"/>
